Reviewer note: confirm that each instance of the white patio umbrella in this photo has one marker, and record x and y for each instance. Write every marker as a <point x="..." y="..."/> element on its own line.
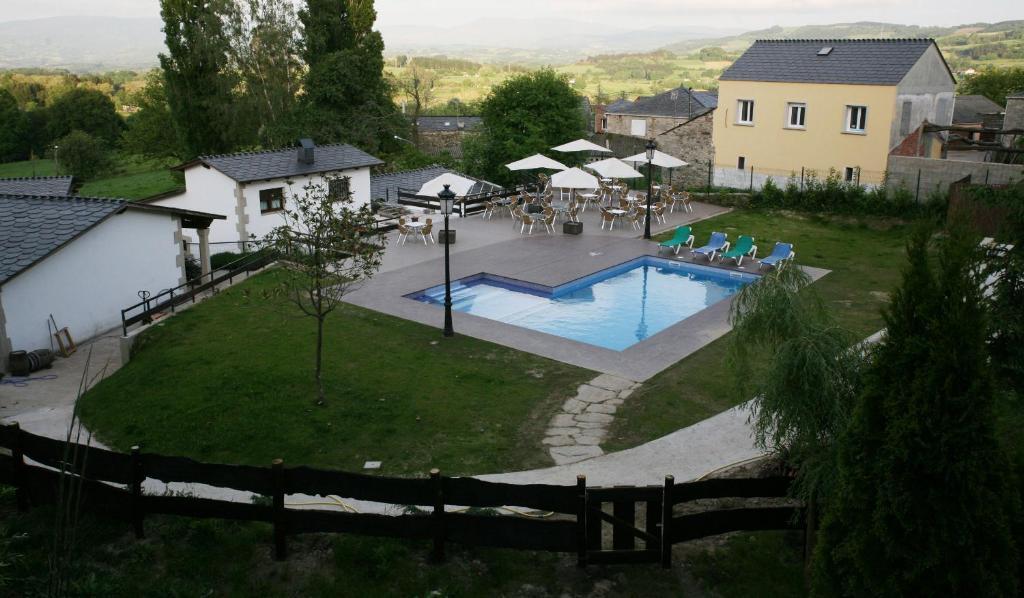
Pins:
<point x="573" y="179"/>
<point x="460" y="186"/>
<point x="536" y="162"/>
<point x="613" y="168"/>
<point x="660" y="159"/>
<point x="581" y="145"/>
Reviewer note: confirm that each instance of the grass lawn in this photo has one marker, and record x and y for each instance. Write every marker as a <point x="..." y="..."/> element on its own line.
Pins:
<point x="130" y="177"/>
<point x="182" y="557"/>
<point x="865" y="258"/>
<point x="230" y="380"/>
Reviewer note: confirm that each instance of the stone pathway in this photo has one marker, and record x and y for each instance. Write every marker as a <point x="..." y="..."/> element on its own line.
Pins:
<point x="576" y="433"/>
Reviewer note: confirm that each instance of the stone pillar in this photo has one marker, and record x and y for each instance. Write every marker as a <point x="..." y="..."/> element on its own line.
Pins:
<point x="204" y="250"/>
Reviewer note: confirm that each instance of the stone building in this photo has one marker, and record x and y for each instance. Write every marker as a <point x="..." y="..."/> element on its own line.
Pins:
<point x="440" y="134"/>
<point x="679" y="120"/>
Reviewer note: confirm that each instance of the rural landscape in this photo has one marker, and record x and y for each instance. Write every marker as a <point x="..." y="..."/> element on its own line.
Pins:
<point x="301" y="298"/>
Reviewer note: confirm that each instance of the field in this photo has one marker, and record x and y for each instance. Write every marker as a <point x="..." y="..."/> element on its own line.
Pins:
<point x="129" y="177"/>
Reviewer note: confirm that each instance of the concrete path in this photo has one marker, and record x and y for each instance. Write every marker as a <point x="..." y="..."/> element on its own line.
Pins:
<point x="575" y="433"/>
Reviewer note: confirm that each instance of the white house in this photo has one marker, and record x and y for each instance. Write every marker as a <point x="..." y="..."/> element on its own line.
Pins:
<point x="252" y="188"/>
<point x="83" y="260"/>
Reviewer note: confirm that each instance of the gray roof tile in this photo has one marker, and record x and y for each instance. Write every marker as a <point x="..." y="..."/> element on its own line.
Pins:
<point x="33" y="227"/>
<point x="969" y="108"/>
<point x="851" y="61"/>
<point x="44" y="185"/>
<point x="448" y="123"/>
<point x="282" y="163"/>
<point x="676" y="103"/>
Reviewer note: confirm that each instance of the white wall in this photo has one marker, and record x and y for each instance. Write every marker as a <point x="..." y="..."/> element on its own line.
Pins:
<point x="929" y="88"/>
<point x="87" y="283"/>
<point x="209" y="190"/>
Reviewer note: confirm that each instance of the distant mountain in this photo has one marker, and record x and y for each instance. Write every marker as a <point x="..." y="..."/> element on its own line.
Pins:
<point x="864" y="29"/>
<point x="81" y="44"/>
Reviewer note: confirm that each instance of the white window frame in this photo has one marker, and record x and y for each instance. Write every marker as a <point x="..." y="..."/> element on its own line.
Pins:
<point x="740" y="120"/>
<point x="633" y="128"/>
<point x="802" y="107"/>
<point x="863" y="120"/>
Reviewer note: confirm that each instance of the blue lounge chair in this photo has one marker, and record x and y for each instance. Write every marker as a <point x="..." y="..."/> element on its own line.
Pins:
<point x="782" y="253"/>
<point x="717" y="243"/>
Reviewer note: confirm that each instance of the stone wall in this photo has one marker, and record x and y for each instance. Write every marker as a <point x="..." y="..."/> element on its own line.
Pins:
<point x="690" y="142"/>
<point x="438" y="142"/>
<point x="937" y="175"/>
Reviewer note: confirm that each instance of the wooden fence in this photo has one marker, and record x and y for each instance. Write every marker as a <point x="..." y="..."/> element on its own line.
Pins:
<point x="111" y="483"/>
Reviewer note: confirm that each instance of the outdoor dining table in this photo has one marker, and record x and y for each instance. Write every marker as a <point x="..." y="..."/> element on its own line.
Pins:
<point x="618" y="213"/>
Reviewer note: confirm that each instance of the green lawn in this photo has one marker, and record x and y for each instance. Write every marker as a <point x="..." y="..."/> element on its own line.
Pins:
<point x="231" y="381"/>
<point x="129" y="177"/>
<point x="865" y="258"/>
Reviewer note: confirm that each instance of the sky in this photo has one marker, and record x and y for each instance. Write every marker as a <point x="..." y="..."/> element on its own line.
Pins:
<point x="633" y="14"/>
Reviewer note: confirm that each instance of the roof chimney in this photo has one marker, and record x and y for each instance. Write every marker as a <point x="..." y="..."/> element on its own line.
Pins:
<point x="306" y="148"/>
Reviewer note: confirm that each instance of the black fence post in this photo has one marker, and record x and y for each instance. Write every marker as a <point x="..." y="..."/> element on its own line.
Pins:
<point x="710" y="173"/>
<point x="751" y="179"/>
<point x="277" y="483"/>
<point x="917" y="193"/>
<point x="137" y="476"/>
<point x="581" y="521"/>
<point x="802" y="169"/>
<point x="666" y="522"/>
<point x="438" y="515"/>
<point x="20" y="471"/>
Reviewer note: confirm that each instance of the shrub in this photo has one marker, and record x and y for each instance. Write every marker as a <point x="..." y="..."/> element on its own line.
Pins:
<point x="219" y="260"/>
<point x="81" y="155"/>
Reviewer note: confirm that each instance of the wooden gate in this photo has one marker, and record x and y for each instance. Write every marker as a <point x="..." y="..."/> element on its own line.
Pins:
<point x="636" y="518"/>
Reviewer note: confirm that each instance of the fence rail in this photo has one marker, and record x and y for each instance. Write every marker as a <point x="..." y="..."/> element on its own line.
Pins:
<point x="111" y="483"/>
<point x="470" y="204"/>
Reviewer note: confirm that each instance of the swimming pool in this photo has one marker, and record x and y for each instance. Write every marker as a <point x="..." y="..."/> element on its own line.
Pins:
<point x="614" y="308"/>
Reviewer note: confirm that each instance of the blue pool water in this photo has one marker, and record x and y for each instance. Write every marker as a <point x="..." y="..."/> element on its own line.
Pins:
<point x="614" y="308"/>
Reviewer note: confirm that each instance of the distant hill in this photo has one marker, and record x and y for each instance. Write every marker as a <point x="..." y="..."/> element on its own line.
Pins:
<point x="81" y="44"/>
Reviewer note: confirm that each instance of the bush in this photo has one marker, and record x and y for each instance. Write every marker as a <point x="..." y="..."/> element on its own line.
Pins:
<point x="219" y="260"/>
<point x="81" y="155"/>
<point x="833" y="195"/>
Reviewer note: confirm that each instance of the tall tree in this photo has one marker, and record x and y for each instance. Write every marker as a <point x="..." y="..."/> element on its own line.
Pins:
<point x="151" y="131"/>
<point x="524" y="115"/>
<point x="418" y="85"/>
<point x="265" y="53"/>
<point x="199" y="81"/>
<point x="14" y="144"/>
<point x="347" y="97"/>
<point x="86" y="110"/>
<point x="924" y="498"/>
<point x="995" y="83"/>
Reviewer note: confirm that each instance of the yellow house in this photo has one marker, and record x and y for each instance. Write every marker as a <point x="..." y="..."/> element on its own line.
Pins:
<point x="786" y="107"/>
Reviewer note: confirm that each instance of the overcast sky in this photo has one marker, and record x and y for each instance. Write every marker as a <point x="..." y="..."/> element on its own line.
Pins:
<point x="750" y="14"/>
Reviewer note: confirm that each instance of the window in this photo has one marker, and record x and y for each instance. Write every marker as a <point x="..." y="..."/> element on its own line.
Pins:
<point x="741" y="162"/>
<point x="745" y="112"/>
<point x="905" y="114"/>
<point x="850" y="176"/>
<point x="604" y="123"/>
<point x="856" y="119"/>
<point x="797" y="113"/>
<point x="638" y="127"/>
<point x="271" y="200"/>
<point x="338" y="187"/>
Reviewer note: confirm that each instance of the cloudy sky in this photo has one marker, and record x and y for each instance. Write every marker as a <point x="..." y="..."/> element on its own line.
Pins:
<point x="752" y="14"/>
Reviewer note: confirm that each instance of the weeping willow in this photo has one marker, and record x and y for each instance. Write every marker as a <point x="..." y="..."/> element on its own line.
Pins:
<point x="801" y="367"/>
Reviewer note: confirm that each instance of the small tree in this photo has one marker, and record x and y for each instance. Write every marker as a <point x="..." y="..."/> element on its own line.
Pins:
<point x="81" y="155"/>
<point x="924" y="498"/>
<point x="328" y="247"/>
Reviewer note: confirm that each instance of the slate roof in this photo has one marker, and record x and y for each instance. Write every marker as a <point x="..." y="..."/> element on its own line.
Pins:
<point x="42" y="185"/>
<point x="618" y="105"/>
<point x="851" y="61"/>
<point x="34" y="226"/>
<point x="246" y="167"/>
<point x="969" y="108"/>
<point x="385" y="186"/>
<point x="675" y="103"/>
<point x="448" y="123"/>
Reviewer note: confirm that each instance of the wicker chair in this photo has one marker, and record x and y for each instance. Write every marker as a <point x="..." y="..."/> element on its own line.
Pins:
<point x="427" y="232"/>
<point x="607" y="218"/>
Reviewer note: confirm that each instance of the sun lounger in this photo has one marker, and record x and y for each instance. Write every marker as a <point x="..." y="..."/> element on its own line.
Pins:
<point x="782" y="253"/>
<point x="716" y="244"/>
<point x="683" y="236"/>
<point x="744" y="247"/>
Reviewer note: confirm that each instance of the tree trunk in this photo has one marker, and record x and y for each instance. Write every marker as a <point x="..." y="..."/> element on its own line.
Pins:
<point x="319" y="359"/>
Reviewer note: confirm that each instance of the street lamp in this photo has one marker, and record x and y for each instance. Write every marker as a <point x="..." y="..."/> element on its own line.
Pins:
<point x="447" y="197"/>
<point x="651" y="146"/>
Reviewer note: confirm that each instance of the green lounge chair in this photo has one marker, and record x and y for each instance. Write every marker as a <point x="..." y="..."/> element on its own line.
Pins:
<point x="744" y="247"/>
<point x="683" y="236"/>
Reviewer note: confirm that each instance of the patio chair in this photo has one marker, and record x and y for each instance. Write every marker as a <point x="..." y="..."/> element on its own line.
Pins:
<point x="717" y="243"/>
<point x="670" y="202"/>
<point x="427" y="232"/>
<point x="659" y="212"/>
<point x="682" y="236"/>
<point x="687" y="201"/>
<point x="549" y="222"/>
<point x="403" y="231"/>
<point x="782" y="253"/>
<point x="573" y="213"/>
<point x="635" y="218"/>
<point x="744" y="247"/>
<point x="607" y="218"/>
<point x="527" y="221"/>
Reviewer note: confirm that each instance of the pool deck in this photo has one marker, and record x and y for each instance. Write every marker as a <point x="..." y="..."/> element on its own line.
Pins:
<point x="550" y="260"/>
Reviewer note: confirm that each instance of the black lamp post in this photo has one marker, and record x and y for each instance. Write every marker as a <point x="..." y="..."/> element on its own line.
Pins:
<point x="651" y="146"/>
<point x="447" y="197"/>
